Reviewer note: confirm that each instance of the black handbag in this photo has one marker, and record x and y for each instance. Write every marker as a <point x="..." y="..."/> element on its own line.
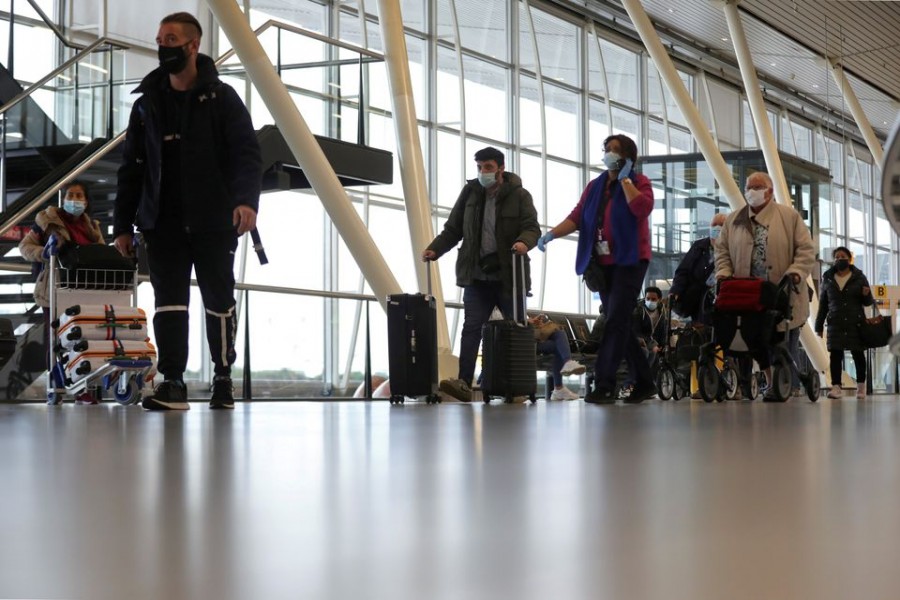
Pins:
<point x="594" y="278"/>
<point x="875" y="331"/>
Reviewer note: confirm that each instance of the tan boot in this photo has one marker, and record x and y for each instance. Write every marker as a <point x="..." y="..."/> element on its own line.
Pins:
<point x="836" y="392"/>
<point x="860" y="391"/>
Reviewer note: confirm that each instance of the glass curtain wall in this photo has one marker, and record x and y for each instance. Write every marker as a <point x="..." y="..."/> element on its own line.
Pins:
<point x="546" y="88"/>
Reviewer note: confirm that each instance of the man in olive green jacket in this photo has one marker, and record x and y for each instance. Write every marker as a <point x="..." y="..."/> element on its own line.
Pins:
<point x="493" y="216"/>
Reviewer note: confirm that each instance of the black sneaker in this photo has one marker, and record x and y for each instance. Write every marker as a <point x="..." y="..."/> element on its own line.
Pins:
<point x="223" y="393"/>
<point x="168" y="395"/>
<point x="599" y="396"/>
<point x="641" y="392"/>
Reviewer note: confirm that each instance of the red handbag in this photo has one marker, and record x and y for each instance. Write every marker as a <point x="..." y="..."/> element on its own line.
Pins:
<point x="745" y="294"/>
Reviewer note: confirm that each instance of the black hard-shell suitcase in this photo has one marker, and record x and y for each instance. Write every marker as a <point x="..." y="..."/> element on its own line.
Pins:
<point x="412" y="345"/>
<point x="509" y="354"/>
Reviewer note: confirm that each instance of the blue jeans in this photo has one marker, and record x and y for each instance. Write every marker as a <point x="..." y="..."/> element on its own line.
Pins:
<point x="557" y="345"/>
<point x="479" y="300"/>
<point x="623" y="287"/>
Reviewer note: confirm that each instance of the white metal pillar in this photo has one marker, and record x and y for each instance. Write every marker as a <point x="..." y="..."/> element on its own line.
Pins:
<point x="412" y="166"/>
<point x="757" y="104"/>
<point x="682" y="98"/>
<point x="707" y="145"/>
<point x="305" y="149"/>
<point x="815" y="347"/>
<point x="856" y="109"/>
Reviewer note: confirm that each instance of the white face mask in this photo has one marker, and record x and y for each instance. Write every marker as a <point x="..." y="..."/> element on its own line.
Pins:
<point x="650" y="304"/>
<point x="487" y="179"/>
<point x="755" y="198"/>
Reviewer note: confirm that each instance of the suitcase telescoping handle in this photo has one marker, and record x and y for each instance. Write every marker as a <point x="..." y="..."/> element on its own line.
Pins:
<point x="515" y="294"/>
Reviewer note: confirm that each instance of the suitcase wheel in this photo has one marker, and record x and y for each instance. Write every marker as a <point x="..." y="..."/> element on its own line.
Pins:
<point x="397" y="400"/>
<point x="432" y="399"/>
<point x="533" y="399"/>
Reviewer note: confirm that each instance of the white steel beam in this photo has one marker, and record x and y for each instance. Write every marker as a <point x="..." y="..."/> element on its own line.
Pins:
<point x="306" y="149"/>
<point x="695" y="122"/>
<point x="412" y="167"/>
<point x="815" y="346"/>
<point x="856" y="109"/>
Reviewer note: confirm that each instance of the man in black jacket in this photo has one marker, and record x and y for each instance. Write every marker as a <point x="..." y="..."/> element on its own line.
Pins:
<point x="190" y="181"/>
<point x="492" y="215"/>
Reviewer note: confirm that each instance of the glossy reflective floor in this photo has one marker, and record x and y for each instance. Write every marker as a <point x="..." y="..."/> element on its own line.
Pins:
<point x="365" y="500"/>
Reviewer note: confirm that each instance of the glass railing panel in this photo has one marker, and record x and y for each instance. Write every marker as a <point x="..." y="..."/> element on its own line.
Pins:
<point x="323" y="76"/>
<point x="74" y="105"/>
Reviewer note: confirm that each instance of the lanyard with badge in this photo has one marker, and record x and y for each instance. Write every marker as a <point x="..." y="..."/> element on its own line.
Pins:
<point x="601" y="246"/>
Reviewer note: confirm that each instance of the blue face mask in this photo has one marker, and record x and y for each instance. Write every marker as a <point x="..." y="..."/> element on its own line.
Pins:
<point x="650" y="304"/>
<point x="73" y="208"/>
<point x="611" y="160"/>
<point x="714" y="232"/>
<point x="487" y="179"/>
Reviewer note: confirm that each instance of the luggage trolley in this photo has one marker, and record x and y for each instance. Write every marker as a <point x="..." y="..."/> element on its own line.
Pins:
<point x="97" y="337"/>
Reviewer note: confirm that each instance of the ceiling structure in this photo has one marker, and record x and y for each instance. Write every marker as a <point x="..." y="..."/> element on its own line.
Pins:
<point x="789" y="40"/>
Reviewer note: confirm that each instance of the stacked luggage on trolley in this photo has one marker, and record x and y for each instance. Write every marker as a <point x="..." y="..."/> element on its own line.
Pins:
<point x="747" y="314"/>
<point x="98" y="337"/>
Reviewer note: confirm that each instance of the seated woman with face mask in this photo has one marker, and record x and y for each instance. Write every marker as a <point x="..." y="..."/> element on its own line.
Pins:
<point x="70" y="224"/>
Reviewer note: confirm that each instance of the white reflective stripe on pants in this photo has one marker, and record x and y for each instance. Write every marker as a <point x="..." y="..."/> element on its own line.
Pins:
<point x="223" y="331"/>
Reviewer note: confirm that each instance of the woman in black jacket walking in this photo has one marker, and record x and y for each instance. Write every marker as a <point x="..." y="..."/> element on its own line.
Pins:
<point x="843" y="294"/>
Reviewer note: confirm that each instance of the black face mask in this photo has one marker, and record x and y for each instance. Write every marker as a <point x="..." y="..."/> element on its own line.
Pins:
<point x="172" y="59"/>
<point x="842" y="264"/>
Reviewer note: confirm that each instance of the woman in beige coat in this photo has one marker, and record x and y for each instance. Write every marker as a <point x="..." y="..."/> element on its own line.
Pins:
<point x="70" y="223"/>
<point x="768" y="240"/>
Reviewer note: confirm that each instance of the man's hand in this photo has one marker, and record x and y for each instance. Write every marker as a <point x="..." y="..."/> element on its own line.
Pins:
<point x="520" y="248"/>
<point x="429" y="255"/>
<point x="866" y="290"/>
<point x="795" y="278"/>
<point x="244" y="218"/>
<point x="124" y="243"/>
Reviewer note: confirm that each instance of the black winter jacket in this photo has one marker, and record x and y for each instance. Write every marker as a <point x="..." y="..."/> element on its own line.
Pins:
<point x="643" y="328"/>
<point x="516" y="222"/>
<point x="220" y="158"/>
<point x="843" y="309"/>
<point x="689" y="282"/>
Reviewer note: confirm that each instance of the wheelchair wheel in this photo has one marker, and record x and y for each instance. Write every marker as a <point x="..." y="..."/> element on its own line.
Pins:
<point x="665" y="383"/>
<point x="813" y="385"/>
<point x="754" y="386"/>
<point x="708" y="377"/>
<point x="730" y="379"/>
<point x="781" y="380"/>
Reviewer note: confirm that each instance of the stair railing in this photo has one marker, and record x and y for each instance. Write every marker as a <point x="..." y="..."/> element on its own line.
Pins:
<point x="29" y="209"/>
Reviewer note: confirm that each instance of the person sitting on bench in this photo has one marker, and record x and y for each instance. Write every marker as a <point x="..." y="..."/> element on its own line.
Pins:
<point x="551" y="339"/>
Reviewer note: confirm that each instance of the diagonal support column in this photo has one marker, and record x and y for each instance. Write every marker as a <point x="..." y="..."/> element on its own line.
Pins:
<point x="700" y="131"/>
<point x="815" y="346"/>
<point x="305" y="149"/>
<point x="856" y="109"/>
<point x="412" y="167"/>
